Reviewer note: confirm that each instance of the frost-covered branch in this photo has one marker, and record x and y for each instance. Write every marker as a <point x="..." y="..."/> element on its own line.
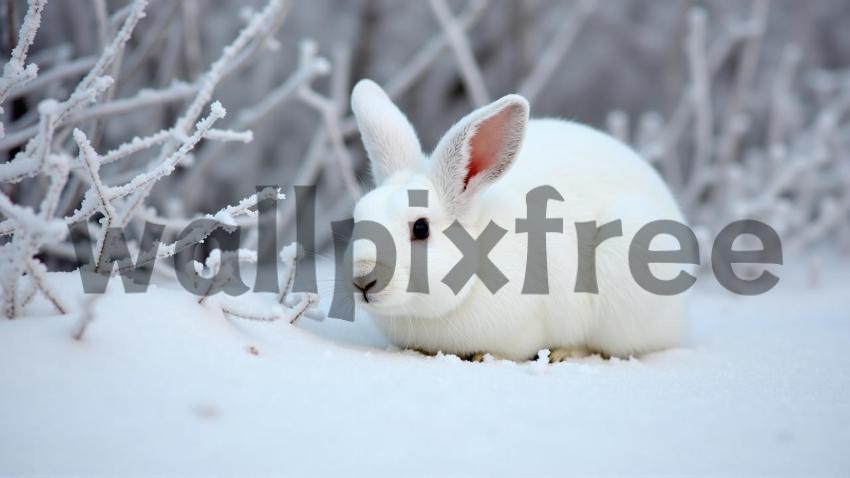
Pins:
<point x="278" y="312"/>
<point x="68" y="175"/>
<point x="227" y="216"/>
<point x="701" y="96"/>
<point x="790" y="176"/>
<point x="218" y="268"/>
<point x="16" y="72"/>
<point x="99" y="198"/>
<point x="310" y="66"/>
<point x="331" y="112"/>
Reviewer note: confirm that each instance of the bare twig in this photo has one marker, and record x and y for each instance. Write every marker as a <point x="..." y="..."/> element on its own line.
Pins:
<point x="472" y="77"/>
<point x="87" y="316"/>
<point x="557" y="49"/>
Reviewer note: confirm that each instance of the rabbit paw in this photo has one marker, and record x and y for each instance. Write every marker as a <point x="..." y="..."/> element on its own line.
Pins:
<point x="561" y="355"/>
<point x="484" y="357"/>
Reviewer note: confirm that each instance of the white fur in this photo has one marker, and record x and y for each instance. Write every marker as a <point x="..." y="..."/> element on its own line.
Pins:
<point x="388" y="136"/>
<point x="600" y="179"/>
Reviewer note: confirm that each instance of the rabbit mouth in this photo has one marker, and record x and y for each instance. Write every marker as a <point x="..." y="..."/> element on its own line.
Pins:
<point x="376" y="301"/>
<point x="367" y="298"/>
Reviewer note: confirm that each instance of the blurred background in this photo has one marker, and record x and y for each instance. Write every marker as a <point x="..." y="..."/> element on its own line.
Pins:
<point x="742" y="105"/>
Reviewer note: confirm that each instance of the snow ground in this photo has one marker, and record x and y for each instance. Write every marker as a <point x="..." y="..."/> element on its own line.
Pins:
<point x="161" y="385"/>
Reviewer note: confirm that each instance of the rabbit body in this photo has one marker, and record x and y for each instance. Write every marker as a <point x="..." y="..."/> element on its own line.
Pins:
<point x="599" y="178"/>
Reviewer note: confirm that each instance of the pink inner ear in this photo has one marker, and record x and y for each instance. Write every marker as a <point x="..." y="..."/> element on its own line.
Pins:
<point x="486" y="145"/>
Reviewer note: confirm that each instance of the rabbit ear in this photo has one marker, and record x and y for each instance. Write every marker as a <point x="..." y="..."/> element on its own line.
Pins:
<point x="388" y="136"/>
<point x="478" y="150"/>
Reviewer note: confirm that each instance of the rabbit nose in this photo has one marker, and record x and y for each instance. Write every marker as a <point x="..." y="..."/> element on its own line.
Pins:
<point x="363" y="284"/>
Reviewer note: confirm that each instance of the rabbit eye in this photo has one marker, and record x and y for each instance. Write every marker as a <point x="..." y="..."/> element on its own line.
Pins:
<point x="420" y="229"/>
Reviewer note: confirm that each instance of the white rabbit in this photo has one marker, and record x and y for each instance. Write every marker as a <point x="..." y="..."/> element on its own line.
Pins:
<point x="471" y="177"/>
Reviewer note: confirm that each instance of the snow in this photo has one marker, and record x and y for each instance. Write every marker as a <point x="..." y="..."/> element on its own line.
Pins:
<point x="168" y="386"/>
<point x="225" y="218"/>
